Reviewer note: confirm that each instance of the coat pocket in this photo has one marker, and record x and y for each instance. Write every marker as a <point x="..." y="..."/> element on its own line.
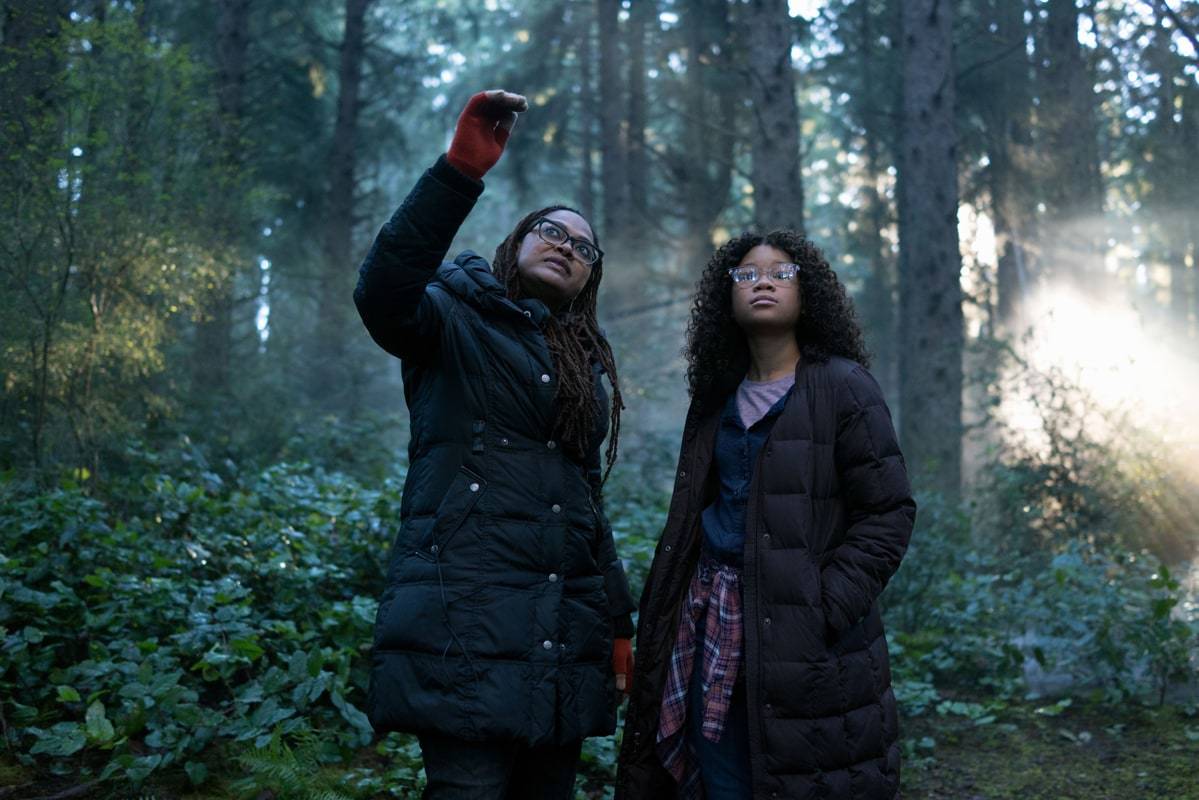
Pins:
<point x="459" y="500"/>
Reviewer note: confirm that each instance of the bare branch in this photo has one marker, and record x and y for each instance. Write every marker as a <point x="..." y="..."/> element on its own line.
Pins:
<point x="624" y="313"/>
<point x="986" y="62"/>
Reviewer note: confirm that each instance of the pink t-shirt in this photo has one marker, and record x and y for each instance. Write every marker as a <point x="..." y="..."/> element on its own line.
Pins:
<point x="755" y="398"/>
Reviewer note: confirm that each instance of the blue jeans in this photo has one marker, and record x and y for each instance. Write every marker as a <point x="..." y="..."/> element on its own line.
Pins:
<point x="723" y="765"/>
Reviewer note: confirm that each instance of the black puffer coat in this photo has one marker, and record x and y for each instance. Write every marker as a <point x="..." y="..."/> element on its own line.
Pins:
<point x="496" y="623"/>
<point x="829" y="518"/>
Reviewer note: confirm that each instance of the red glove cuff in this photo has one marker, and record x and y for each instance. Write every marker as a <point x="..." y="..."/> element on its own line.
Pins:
<point x="622" y="660"/>
<point x="480" y="136"/>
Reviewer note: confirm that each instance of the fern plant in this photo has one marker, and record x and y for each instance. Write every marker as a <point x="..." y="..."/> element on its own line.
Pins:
<point x="293" y="771"/>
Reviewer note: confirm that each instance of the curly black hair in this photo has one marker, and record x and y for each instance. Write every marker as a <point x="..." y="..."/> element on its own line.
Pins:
<point x="575" y="342"/>
<point x="717" y="352"/>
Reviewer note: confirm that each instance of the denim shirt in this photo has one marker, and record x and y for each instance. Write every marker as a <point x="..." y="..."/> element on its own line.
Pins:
<point x="737" y="449"/>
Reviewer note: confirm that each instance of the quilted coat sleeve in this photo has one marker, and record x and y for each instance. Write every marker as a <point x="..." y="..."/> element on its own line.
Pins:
<point x="390" y="295"/>
<point x="616" y="583"/>
<point x="879" y="504"/>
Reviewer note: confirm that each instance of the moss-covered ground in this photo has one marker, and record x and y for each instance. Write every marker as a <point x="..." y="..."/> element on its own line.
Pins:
<point x="1091" y="752"/>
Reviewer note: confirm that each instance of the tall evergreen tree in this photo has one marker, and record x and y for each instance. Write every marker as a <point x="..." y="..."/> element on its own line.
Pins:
<point x="774" y="116"/>
<point x="338" y="269"/>
<point x="1073" y="233"/>
<point x="930" y="264"/>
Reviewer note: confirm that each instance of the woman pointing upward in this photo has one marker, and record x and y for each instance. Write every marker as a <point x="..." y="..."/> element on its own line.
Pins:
<point x="503" y="632"/>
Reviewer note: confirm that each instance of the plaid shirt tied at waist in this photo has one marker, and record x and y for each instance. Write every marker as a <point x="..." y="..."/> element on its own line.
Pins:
<point x="715" y="587"/>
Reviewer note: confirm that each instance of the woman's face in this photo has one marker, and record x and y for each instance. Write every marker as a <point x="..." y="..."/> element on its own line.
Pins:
<point x="554" y="273"/>
<point x="765" y="305"/>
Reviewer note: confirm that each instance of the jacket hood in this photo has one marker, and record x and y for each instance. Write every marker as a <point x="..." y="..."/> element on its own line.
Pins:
<point x="469" y="276"/>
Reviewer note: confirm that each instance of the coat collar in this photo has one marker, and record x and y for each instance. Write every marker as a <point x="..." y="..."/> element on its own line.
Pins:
<point x="470" y="277"/>
<point x="707" y="410"/>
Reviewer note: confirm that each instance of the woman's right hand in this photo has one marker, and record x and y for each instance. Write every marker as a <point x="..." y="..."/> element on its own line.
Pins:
<point x="482" y="131"/>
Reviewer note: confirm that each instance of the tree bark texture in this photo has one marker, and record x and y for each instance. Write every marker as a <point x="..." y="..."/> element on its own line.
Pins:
<point x="1006" y="123"/>
<point x="613" y="175"/>
<point x="586" y="113"/>
<point x="930" y="283"/>
<point x="703" y="166"/>
<point x="641" y="14"/>
<point x="774" y="138"/>
<point x="338" y="272"/>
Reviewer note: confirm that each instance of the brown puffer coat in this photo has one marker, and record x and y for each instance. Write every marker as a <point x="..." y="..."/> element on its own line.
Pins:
<point x="829" y="519"/>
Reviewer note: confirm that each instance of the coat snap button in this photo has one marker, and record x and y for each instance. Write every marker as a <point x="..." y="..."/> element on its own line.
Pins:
<point x="557" y="509"/>
<point x="682" y="473"/>
<point x="766" y="621"/>
<point x="545" y="378"/>
<point x="529" y="314"/>
<point x="766" y="537"/>
<point x="504" y="441"/>
<point x="550" y="445"/>
<point x="433" y="549"/>
<point x="667" y="548"/>
<point x="474" y="487"/>
<point x="547" y="645"/>
<point x="553" y="577"/>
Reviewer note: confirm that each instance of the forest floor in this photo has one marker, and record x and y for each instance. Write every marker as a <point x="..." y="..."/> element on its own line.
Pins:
<point x="1091" y="753"/>
<point x="1096" y="753"/>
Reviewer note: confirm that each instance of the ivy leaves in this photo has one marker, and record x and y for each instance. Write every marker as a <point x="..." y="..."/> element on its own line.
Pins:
<point x="148" y="640"/>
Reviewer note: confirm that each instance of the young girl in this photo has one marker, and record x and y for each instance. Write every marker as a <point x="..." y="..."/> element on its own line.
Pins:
<point x="762" y="665"/>
<point x="494" y="636"/>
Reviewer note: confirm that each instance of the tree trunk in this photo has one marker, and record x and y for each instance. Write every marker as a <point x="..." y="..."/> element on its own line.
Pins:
<point x="1168" y="202"/>
<point x="613" y="173"/>
<point x="1189" y="278"/>
<point x="930" y="286"/>
<point x="214" y="334"/>
<point x="586" y="114"/>
<point x="1074" y="235"/>
<point x="642" y="12"/>
<point x="329" y="360"/>
<point x="1006" y="123"/>
<point x="778" y="185"/>
<point x="878" y="302"/>
<point x="703" y="166"/>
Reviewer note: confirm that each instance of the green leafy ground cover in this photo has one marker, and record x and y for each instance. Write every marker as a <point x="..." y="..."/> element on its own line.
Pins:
<point x="1032" y="753"/>
<point x="202" y="632"/>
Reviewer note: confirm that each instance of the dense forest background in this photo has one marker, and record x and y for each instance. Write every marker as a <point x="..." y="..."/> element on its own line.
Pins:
<point x="201" y="450"/>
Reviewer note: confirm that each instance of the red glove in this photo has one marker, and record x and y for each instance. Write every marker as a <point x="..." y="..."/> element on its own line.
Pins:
<point x="482" y="131"/>
<point x="622" y="663"/>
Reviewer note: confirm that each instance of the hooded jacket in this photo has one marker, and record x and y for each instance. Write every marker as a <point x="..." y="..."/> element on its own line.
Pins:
<point x="497" y="619"/>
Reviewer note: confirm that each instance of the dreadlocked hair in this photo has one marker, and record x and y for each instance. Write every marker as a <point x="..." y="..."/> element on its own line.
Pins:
<point x="717" y="350"/>
<point x="575" y="342"/>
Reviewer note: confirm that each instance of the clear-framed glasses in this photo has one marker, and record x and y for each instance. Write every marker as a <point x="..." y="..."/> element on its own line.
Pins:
<point x="553" y="233"/>
<point x="779" y="272"/>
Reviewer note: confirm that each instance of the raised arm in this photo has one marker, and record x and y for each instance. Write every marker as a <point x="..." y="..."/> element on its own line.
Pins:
<point x="390" y="295"/>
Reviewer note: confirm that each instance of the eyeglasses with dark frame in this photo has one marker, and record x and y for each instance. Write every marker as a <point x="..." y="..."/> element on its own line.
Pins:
<point x="778" y="272"/>
<point x="553" y="233"/>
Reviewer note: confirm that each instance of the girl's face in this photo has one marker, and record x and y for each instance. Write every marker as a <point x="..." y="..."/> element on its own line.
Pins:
<point x="554" y="273"/>
<point x="766" y="305"/>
